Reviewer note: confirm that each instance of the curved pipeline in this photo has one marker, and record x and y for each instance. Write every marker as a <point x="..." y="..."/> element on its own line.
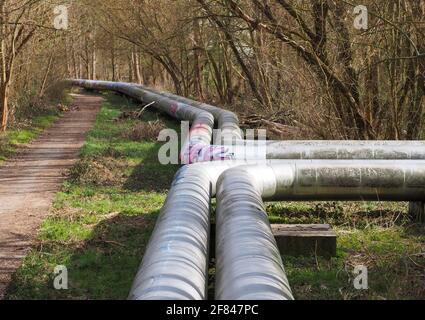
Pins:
<point x="202" y="121"/>
<point x="249" y="266"/>
<point x="198" y="148"/>
<point x="175" y="265"/>
<point x="227" y="121"/>
<point x="248" y="262"/>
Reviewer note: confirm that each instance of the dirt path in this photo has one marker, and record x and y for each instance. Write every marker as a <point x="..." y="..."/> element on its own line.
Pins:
<point x="29" y="182"/>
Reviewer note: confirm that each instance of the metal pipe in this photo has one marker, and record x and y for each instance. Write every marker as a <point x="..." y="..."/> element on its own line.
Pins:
<point x="352" y="180"/>
<point x="320" y="150"/>
<point x="249" y="266"/>
<point x="202" y="121"/>
<point x="347" y="150"/>
<point x="344" y="180"/>
<point x="228" y="122"/>
<point x="175" y="264"/>
<point x="248" y="262"/>
<point x="176" y="260"/>
<point x="198" y="148"/>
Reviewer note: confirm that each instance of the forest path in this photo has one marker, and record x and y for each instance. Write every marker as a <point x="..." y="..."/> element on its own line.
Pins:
<point x="29" y="182"/>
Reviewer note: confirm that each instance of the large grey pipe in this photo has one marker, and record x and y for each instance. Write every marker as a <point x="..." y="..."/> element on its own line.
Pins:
<point x="227" y="121"/>
<point x="202" y="121"/>
<point x="319" y="150"/>
<point x="347" y="150"/>
<point x="176" y="261"/>
<point x="198" y="148"/>
<point x="175" y="264"/>
<point x="248" y="262"/>
<point x="249" y="266"/>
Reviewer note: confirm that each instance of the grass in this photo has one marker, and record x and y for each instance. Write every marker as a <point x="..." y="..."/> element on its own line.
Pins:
<point x="105" y="214"/>
<point x="376" y="235"/>
<point x="28" y="130"/>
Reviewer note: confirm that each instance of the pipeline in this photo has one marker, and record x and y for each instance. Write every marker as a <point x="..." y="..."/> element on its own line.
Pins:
<point x="330" y="150"/>
<point x="198" y="148"/>
<point x="248" y="262"/>
<point x="176" y="260"/>
<point x="249" y="265"/>
<point x="202" y="121"/>
<point x="175" y="265"/>
<point x="227" y="121"/>
<point x="234" y="148"/>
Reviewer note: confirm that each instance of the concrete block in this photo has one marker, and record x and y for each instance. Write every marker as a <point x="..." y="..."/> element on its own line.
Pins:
<point x="305" y="240"/>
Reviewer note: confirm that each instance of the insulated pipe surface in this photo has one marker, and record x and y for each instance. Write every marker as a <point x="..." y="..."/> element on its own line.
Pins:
<point x="176" y="260"/>
<point x="202" y="121"/>
<point x="332" y="150"/>
<point x="249" y="266"/>
<point x="346" y="150"/>
<point x="379" y="180"/>
<point x="248" y="262"/>
<point x="344" y="180"/>
<point x="175" y="264"/>
<point x="228" y="122"/>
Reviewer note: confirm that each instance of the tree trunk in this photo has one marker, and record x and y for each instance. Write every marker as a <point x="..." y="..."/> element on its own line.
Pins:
<point x="197" y="55"/>
<point x="87" y="59"/>
<point x="46" y="75"/>
<point x="113" y="65"/>
<point x="136" y="66"/>
<point x="130" y="69"/>
<point x="74" y="63"/>
<point x="4" y="106"/>
<point x="80" y="67"/>
<point x="94" y="62"/>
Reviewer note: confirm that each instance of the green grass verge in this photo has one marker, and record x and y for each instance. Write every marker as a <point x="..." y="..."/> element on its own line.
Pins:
<point x="105" y="214"/>
<point x="378" y="236"/>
